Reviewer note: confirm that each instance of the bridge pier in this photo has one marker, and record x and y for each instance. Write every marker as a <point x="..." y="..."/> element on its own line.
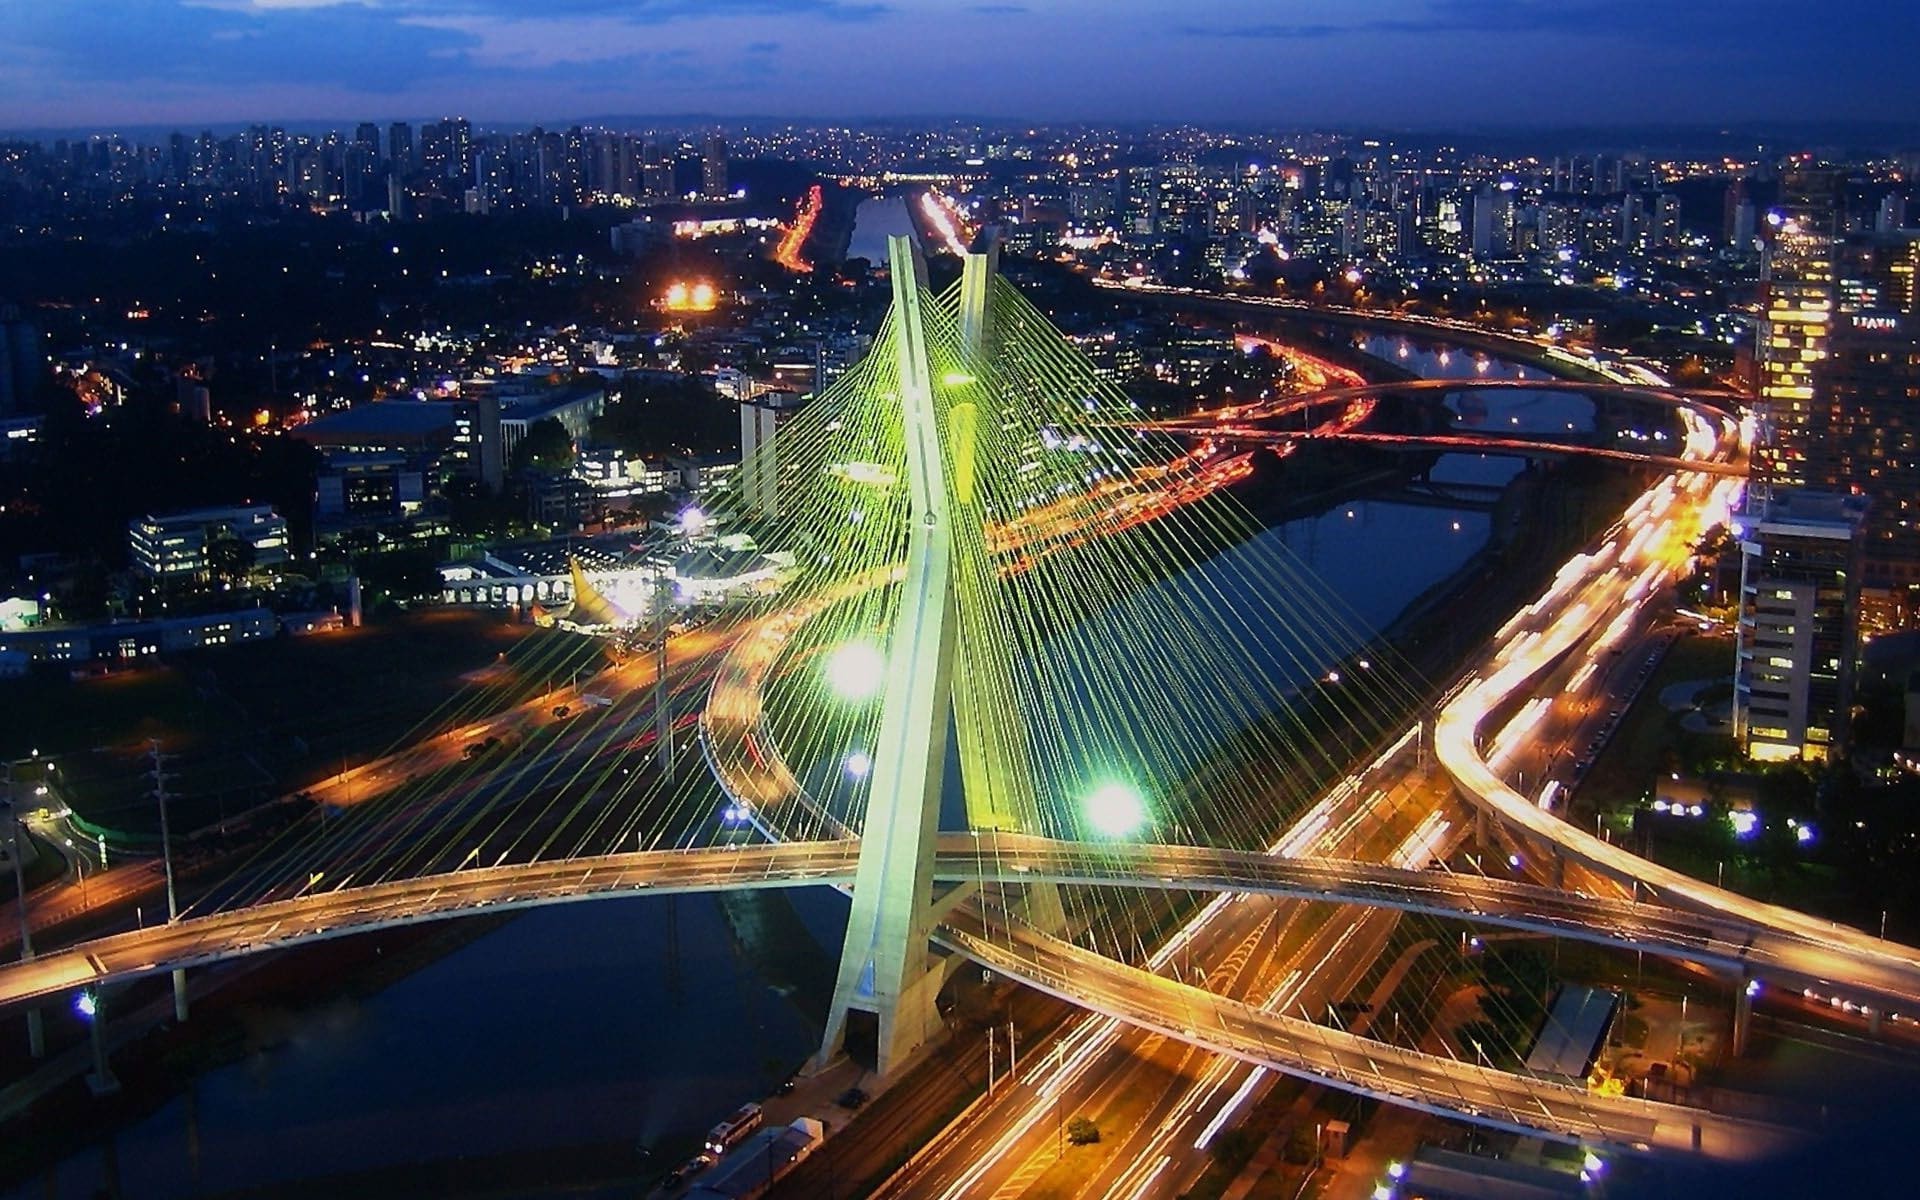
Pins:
<point x="1482" y="831"/>
<point x="102" y="1081"/>
<point x="180" y="995"/>
<point x="1044" y="909"/>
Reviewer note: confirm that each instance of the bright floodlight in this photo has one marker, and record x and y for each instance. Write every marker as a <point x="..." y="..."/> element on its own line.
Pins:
<point x="855" y="671"/>
<point x="693" y="522"/>
<point x="1115" y="810"/>
<point x="858" y="765"/>
<point x="86" y="1004"/>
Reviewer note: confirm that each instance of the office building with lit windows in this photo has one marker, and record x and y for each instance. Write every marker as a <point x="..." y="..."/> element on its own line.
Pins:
<point x="1798" y="633"/>
<point x="174" y="546"/>
<point x="1795" y="324"/>
<point x="1867" y="391"/>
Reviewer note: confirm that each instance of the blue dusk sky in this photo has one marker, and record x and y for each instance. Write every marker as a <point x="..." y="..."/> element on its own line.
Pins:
<point x="1413" y="63"/>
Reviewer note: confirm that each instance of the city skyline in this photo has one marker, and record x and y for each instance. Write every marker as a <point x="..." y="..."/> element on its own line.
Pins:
<point x="1382" y="62"/>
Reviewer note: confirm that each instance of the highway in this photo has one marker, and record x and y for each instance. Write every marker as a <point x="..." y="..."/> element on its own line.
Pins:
<point x="1352" y="1062"/>
<point x="1595" y="601"/>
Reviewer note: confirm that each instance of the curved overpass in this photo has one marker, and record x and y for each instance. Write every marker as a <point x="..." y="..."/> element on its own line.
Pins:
<point x="1717" y="402"/>
<point x="1445" y="1087"/>
<point x="960" y="858"/>
<point x="1473" y="443"/>
<point x="1082" y="977"/>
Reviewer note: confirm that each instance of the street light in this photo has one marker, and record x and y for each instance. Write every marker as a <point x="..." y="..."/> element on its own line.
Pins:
<point x="1115" y="809"/>
<point x="855" y="671"/>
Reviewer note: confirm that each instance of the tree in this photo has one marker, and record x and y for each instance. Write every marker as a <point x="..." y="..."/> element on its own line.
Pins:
<point x="682" y="416"/>
<point x="410" y="574"/>
<point x="547" y="447"/>
<point x="1082" y="1132"/>
<point x="229" y="558"/>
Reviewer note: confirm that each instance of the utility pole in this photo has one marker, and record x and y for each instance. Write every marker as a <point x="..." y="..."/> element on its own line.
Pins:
<point x="36" y="1031"/>
<point x="662" y="710"/>
<point x="989" y="1060"/>
<point x="1059" y="1090"/>
<point x="166" y="859"/>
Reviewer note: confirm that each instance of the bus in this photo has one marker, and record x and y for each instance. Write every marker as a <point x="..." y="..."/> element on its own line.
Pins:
<point x="734" y="1130"/>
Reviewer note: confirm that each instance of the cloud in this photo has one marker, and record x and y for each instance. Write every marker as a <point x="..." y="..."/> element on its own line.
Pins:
<point x="391" y="47"/>
<point x="1619" y="18"/>
<point x="133" y="41"/>
<point x="639" y="12"/>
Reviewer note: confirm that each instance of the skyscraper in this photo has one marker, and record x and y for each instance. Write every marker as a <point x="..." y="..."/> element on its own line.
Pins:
<point x="400" y="147"/>
<point x="1795" y="324"/>
<point x="713" y="169"/>
<point x="1868" y="393"/>
<point x="656" y="172"/>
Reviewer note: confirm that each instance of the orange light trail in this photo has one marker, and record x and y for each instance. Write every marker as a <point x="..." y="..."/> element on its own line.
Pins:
<point x="787" y="254"/>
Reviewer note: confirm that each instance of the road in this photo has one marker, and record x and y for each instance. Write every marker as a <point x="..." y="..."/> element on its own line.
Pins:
<point x="1595" y="603"/>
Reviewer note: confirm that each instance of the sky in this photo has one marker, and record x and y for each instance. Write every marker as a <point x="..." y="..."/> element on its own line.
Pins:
<point x="1386" y="63"/>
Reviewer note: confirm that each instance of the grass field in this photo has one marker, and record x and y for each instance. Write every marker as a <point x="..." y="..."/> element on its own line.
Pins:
<point x="243" y="724"/>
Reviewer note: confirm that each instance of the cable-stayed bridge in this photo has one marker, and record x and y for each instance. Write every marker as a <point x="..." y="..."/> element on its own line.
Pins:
<point x="1026" y="651"/>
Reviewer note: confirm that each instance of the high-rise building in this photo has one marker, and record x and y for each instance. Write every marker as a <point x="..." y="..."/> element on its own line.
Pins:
<point x="760" y="419"/>
<point x="656" y="172"/>
<point x="713" y="169"/>
<point x="400" y="147"/>
<point x="1868" y="393"/>
<point x="459" y="135"/>
<point x="1798" y="633"/>
<point x="1892" y="214"/>
<point x="1795" y="324"/>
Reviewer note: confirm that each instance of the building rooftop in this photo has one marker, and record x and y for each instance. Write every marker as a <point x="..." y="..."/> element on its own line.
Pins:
<point x="398" y="420"/>
<point x="1802" y="510"/>
<point x="1575" y="1029"/>
<point x="210" y="514"/>
<point x="541" y="404"/>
